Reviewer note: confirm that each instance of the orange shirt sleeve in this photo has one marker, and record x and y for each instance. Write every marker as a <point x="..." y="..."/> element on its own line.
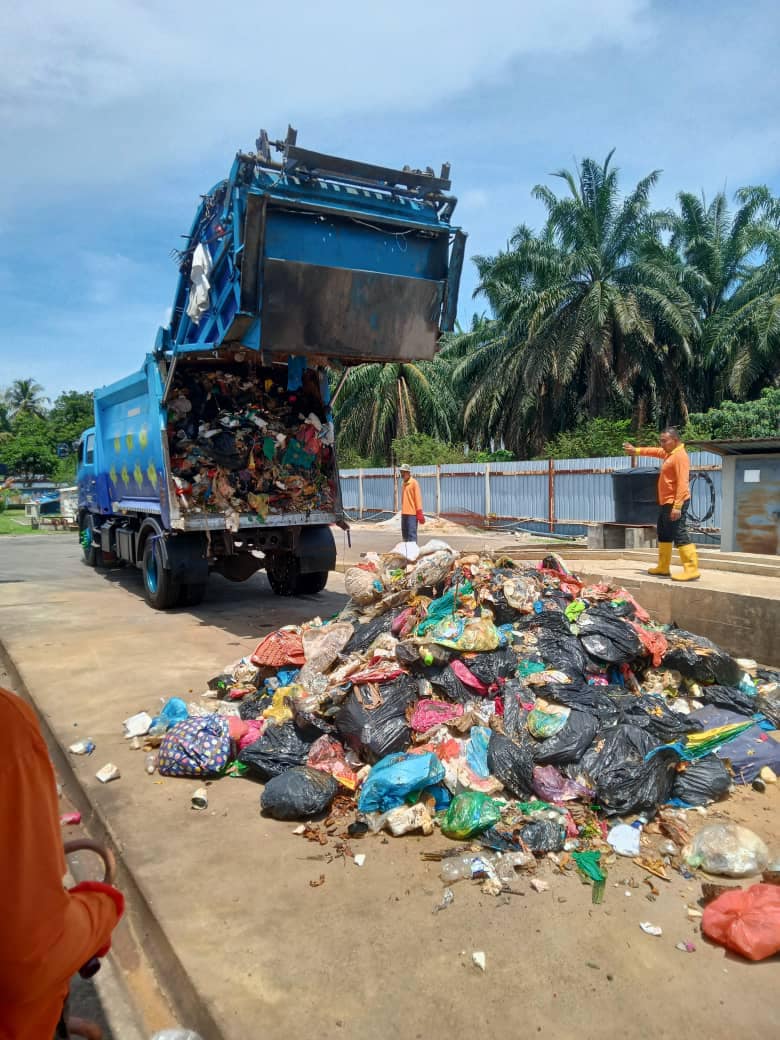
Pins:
<point x="652" y="453"/>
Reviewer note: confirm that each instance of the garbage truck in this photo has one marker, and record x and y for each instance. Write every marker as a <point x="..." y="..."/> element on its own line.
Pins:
<point x="219" y="453"/>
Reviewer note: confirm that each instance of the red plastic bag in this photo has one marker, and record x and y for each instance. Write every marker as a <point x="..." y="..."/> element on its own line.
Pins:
<point x="747" y="922"/>
<point x="278" y="649"/>
<point x="328" y="756"/>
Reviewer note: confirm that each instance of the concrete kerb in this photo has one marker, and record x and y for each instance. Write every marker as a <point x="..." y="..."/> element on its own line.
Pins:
<point x="146" y="966"/>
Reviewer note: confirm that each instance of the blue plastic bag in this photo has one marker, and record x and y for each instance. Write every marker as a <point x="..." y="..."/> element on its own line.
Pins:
<point x="476" y="751"/>
<point x="395" y="777"/>
<point x="174" y="710"/>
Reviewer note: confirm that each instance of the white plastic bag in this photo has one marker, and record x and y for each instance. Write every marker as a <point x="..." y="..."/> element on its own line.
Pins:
<point x="727" y="849"/>
<point x="409" y="550"/>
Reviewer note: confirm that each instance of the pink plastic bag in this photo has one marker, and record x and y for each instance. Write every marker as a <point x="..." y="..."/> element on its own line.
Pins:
<point x="747" y="922"/>
<point x="428" y="714"/>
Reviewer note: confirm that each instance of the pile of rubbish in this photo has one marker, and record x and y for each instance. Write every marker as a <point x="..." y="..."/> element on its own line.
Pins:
<point x="505" y="705"/>
<point x="251" y="441"/>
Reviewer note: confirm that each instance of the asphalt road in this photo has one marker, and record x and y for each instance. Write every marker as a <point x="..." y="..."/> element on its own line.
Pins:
<point x="268" y="933"/>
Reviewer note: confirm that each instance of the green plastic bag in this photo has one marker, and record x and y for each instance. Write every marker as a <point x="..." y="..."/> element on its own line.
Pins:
<point x="470" y="813"/>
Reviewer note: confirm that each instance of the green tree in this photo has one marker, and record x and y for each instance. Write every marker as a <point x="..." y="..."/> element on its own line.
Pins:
<point x="71" y="413"/>
<point x="28" y="452"/>
<point x="5" y="418"/>
<point x="729" y="263"/>
<point x="596" y="438"/>
<point x="379" y="403"/>
<point x="759" y="418"/>
<point x="418" y="449"/>
<point x="585" y="319"/>
<point x="25" y="395"/>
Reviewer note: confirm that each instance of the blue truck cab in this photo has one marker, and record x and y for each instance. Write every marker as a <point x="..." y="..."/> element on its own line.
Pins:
<point x="294" y="267"/>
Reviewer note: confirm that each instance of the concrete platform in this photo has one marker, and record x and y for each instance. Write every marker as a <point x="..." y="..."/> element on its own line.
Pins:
<point x="223" y="900"/>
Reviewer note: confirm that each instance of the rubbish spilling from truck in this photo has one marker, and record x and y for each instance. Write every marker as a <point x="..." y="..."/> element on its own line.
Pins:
<point x="218" y="454"/>
<point x="507" y="706"/>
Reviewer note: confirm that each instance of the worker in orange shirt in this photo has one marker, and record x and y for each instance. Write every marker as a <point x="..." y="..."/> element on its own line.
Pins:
<point x="411" y="505"/>
<point x="674" y="496"/>
<point x="47" y="932"/>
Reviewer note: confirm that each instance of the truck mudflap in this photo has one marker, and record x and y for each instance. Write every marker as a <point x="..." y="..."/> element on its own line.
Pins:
<point x="316" y="550"/>
<point x="183" y="554"/>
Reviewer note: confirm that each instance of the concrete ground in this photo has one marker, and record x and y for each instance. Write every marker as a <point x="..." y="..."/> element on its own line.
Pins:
<point x="224" y="902"/>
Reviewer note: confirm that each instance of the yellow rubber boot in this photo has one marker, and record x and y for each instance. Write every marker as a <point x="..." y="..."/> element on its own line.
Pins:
<point x="690" y="564"/>
<point x="662" y="568"/>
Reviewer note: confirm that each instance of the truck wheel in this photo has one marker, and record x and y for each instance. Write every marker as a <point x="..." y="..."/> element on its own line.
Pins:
<point x="311" y="584"/>
<point x="192" y="595"/>
<point x="282" y="573"/>
<point x="90" y="554"/>
<point x="160" y="590"/>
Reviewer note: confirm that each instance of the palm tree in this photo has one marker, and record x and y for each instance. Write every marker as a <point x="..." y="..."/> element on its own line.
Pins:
<point x="381" y="402"/>
<point x="25" y="395"/>
<point x="585" y="319"/>
<point x="730" y="265"/>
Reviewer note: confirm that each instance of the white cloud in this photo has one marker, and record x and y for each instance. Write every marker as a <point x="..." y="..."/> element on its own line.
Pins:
<point x="92" y="91"/>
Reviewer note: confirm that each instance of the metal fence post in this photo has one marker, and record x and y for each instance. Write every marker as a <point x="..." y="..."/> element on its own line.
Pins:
<point x="487" y="494"/>
<point x="551" y="493"/>
<point x="438" y="490"/>
<point x="360" y="494"/>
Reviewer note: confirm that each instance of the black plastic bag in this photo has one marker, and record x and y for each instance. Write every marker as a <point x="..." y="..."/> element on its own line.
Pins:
<point x="608" y="639"/>
<point x="493" y="665"/>
<point x="366" y="634"/>
<point x="445" y="681"/>
<point x="549" y="623"/>
<point x="376" y="732"/>
<point x="510" y="764"/>
<point x="570" y="743"/>
<point x="651" y="713"/>
<point x="298" y="793"/>
<point x="697" y="658"/>
<point x="731" y="698"/>
<point x="702" y="781"/>
<point x="603" y="702"/>
<point x="638" y="787"/>
<point x="611" y="748"/>
<point x="279" y="749"/>
<point x="514" y="695"/>
<point x="564" y="653"/>
<point x="543" y="835"/>
<point x="625" y="782"/>
<point x="768" y="703"/>
<point x="253" y="706"/>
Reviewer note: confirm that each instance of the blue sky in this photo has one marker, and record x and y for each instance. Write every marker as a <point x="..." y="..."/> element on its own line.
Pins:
<point x="116" y="115"/>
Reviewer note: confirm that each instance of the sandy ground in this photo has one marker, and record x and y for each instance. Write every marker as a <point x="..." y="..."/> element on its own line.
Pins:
<point x="362" y="954"/>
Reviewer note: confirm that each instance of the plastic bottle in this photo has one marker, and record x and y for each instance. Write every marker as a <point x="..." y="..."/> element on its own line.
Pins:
<point x="150" y="762"/>
<point x="509" y="862"/>
<point x="456" y="868"/>
<point x="433" y="654"/>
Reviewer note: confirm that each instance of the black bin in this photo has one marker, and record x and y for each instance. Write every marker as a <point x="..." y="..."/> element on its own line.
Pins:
<point x="635" y="494"/>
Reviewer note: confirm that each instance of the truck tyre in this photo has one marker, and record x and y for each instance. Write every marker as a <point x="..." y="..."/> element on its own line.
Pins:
<point x="192" y="595"/>
<point x="283" y="574"/>
<point x="311" y="584"/>
<point x="160" y="590"/>
<point x="90" y="554"/>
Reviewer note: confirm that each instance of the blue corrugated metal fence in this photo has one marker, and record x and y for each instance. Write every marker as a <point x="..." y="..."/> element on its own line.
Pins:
<point x="561" y="496"/>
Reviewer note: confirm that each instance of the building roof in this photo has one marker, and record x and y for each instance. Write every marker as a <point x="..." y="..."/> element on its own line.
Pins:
<point x="740" y="446"/>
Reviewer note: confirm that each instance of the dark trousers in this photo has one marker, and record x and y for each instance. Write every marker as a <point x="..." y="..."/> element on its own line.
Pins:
<point x="408" y="528"/>
<point x="674" y="530"/>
